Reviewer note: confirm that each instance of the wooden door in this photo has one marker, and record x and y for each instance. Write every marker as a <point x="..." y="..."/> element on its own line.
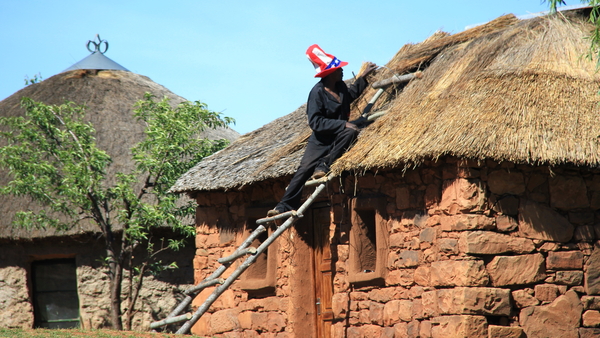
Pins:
<point x="323" y="270"/>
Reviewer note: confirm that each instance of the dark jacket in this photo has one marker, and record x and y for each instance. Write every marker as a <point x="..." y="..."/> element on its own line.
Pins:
<point x="327" y="116"/>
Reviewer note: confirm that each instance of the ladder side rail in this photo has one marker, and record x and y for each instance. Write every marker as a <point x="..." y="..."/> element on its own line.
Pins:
<point x="249" y="261"/>
<point x="188" y="299"/>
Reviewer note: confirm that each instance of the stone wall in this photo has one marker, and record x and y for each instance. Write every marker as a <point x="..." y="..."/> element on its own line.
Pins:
<point x="472" y="250"/>
<point x="159" y="296"/>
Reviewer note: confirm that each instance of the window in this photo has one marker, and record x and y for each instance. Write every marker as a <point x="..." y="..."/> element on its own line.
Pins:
<point x="368" y="240"/>
<point x="260" y="276"/>
<point x="55" y="300"/>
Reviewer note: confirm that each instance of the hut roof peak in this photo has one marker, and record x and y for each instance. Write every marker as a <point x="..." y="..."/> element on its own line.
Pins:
<point x="97" y="60"/>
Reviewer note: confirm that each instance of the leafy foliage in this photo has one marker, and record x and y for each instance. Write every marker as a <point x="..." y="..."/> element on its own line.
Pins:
<point x="52" y="157"/>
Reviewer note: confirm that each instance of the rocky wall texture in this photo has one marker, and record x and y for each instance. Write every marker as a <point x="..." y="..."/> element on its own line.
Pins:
<point x="479" y="250"/>
<point x="471" y="250"/>
<point x="159" y="295"/>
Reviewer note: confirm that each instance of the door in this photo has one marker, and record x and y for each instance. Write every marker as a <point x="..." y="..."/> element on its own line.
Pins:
<point x="322" y="270"/>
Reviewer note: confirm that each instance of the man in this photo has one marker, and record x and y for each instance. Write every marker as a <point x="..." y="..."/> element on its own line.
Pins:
<point x="328" y="110"/>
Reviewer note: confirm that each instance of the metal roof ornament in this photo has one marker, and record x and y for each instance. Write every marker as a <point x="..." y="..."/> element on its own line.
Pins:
<point x="97" y="60"/>
<point x="97" y="46"/>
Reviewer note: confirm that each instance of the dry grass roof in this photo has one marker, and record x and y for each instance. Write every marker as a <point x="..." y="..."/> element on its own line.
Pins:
<point x="109" y="96"/>
<point x="509" y="90"/>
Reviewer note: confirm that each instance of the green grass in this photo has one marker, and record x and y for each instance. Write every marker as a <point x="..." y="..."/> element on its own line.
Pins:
<point x="78" y="333"/>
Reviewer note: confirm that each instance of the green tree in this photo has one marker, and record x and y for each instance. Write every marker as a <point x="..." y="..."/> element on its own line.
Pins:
<point x="52" y="157"/>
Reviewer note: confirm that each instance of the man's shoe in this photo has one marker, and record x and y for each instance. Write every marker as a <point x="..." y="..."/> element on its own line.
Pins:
<point x="318" y="174"/>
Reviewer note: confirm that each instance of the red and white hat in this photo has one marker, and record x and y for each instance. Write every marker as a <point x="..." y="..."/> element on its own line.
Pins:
<point x="324" y="63"/>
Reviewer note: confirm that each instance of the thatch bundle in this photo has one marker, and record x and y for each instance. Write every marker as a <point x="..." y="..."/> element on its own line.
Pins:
<point x="525" y="94"/>
<point x="109" y="96"/>
<point x="509" y="90"/>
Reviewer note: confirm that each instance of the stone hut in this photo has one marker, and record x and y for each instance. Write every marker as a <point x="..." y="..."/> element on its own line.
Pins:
<point x="57" y="279"/>
<point x="469" y="210"/>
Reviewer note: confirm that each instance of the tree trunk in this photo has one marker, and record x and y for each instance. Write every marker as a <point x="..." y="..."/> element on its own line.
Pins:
<point x="115" y="276"/>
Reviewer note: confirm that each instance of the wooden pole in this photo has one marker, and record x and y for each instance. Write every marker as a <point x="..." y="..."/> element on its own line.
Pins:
<point x="397" y="79"/>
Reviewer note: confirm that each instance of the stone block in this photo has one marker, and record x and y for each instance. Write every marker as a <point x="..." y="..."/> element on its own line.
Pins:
<point x="466" y="222"/>
<point x="427" y="235"/>
<point x="564" y="260"/>
<point x="276" y="322"/>
<point x="495" y="331"/>
<point x="474" y="301"/>
<point x="568" y="277"/>
<point x="524" y="298"/>
<point x="591" y="302"/>
<point x="561" y="317"/>
<point x="407" y="259"/>
<point x="538" y="221"/>
<point x="585" y="332"/>
<point x="397" y="310"/>
<point x="516" y="270"/>
<point x="404" y="277"/>
<point x="402" y="198"/>
<point x="382" y="295"/>
<point x="223" y="321"/>
<point x="549" y="246"/>
<point x="397" y="240"/>
<point x="425" y="329"/>
<point x="459" y="273"/>
<point x="371" y="331"/>
<point x="581" y="218"/>
<point x="448" y="245"/>
<point x="546" y="292"/>
<point x="422" y="275"/>
<point x="400" y="330"/>
<point x="584" y="233"/>
<point x="462" y="195"/>
<point x="429" y="301"/>
<point x="339" y="305"/>
<point x="387" y="332"/>
<point x="568" y="192"/>
<point x="591" y="318"/>
<point x="592" y="274"/>
<point x="503" y="182"/>
<point x="412" y="329"/>
<point x="492" y="243"/>
<point x="507" y="205"/>
<point x="376" y="313"/>
<point x="506" y="223"/>
<point x="459" y="327"/>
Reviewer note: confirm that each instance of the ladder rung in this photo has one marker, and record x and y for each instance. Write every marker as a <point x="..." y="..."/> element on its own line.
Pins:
<point x="236" y="255"/>
<point x="204" y="284"/>
<point x="171" y="320"/>
<point x="280" y="216"/>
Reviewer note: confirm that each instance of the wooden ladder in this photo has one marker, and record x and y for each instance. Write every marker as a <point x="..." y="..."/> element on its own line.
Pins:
<point x="243" y="250"/>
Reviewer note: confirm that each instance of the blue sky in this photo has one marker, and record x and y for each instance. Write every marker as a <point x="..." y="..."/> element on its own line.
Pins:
<point x="243" y="58"/>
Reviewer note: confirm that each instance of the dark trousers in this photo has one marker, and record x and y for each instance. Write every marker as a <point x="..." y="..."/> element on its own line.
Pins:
<point x="316" y="156"/>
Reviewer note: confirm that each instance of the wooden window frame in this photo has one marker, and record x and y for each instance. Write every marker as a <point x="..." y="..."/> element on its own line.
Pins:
<point x="267" y="283"/>
<point x="376" y="204"/>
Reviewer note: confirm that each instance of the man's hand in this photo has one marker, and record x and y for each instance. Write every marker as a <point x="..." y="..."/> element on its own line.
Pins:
<point x="352" y="126"/>
<point x="368" y="69"/>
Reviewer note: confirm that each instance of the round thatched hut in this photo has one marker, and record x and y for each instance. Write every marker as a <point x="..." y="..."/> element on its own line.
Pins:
<point x="471" y="209"/>
<point x="29" y="259"/>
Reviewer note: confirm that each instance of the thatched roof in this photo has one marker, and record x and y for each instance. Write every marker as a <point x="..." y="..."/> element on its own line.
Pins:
<point x="109" y="96"/>
<point x="511" y="90"/>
